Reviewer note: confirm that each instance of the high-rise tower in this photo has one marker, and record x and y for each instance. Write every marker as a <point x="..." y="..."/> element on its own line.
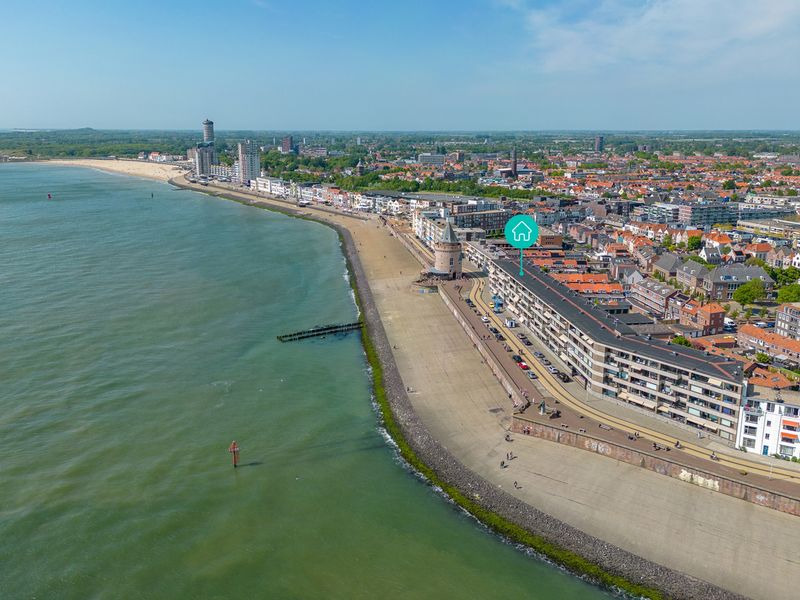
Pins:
<point x="208" y="130"/>
<point x="249" y="162"/>
<point x="514" y="163"/>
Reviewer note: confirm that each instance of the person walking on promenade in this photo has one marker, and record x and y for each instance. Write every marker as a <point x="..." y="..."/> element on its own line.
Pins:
<point x="234" y="450"/>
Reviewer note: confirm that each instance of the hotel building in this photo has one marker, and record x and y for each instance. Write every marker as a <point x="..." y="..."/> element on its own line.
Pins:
<point x="611" y="359"/>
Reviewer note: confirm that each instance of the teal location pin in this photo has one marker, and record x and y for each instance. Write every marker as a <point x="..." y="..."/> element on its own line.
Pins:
<point x="521" y="232"/>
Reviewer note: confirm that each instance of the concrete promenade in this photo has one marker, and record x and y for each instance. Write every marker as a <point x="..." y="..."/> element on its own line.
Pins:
<point x="736" y="545"/>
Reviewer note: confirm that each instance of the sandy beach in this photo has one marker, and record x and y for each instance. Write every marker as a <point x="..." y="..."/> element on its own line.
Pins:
<point x="135" y="168"/>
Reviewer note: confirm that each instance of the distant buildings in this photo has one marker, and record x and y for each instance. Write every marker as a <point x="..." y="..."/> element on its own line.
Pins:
<point x="599" y="143"/>
<point x="205" y="153"/>
<point x="208" y="131"/>
<point x="204" y="158"/>
<point x="705" y="216"/>
<point x="426" y="158"/>
<point x="287" y="145"/>
<point x="249" y="162"/>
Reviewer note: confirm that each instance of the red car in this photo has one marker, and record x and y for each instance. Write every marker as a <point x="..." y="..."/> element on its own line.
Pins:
<point x="523" y="365"/>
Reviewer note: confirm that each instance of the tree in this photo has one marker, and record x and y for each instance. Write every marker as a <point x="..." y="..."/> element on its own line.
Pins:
<point x="750" y="292"/>
<point x="667" y="241"/>
<point x="727" y="308"/>
<point x="763" y="358"/>
<point x="681" y="340"/>
<point x="699" y="259"/>
<point x="789" y="293"/>
<point x="748" y="313"/>
<point x="730" y="184"/>
<point x="681" y="245"/>
<point x="734" y="314"/>
<point x="724" y="250"/>
<point x="763" y="312"/>
<point x="694" y="243"/>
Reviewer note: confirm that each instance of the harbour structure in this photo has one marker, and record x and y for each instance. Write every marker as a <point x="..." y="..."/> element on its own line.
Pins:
<point x="610" y="359"/>
<point x="249" y="162"/>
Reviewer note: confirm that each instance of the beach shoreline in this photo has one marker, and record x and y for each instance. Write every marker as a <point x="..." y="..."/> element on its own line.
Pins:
<point x="131" y="167"/>
<point x="504" y="513"/>
<point x="578" y="552"/>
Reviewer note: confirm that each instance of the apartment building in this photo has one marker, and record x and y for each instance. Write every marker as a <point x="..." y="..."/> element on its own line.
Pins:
<point x="679" y="383"/>
<point x="787" y="320"/>
<point x="723" y="281"/>
<point x="705" y="216"/>
<point x="651" y="296"/>
<point x="770" y="422"/>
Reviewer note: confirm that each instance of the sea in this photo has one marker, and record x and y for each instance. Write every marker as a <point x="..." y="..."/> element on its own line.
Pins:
<point x="138" y="328"/>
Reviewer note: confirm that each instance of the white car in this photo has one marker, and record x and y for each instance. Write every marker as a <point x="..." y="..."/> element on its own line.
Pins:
<point x="484" y="319"/>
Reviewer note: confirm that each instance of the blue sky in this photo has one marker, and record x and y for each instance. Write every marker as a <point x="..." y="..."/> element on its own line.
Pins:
<point x="411" y="65"/>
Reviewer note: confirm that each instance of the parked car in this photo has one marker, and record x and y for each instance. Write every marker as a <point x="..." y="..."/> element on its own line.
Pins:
<point x="538" y="355"/>
<point x="494" y="330"/>
<point x="521" y="336"/>
<point x="485" y="319"/>
<point x="527" y="342"/>
<point x="516" y="358"/>
<point x="552" y="370"/>
<point x="545" y="362"/>
<point x="523" y="365"/>
<point x="564" y="377"/>
<point x="532" y="375"/>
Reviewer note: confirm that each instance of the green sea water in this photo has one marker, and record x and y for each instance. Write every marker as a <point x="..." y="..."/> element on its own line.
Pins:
<point x="137" y="339"/>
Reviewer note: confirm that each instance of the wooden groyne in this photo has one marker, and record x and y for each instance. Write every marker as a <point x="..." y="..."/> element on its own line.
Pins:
<point x="319" y="331"/>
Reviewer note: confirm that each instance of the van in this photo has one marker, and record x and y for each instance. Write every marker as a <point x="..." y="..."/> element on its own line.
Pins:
<point x="729" y="322"/>
<point x="510" y="323"/>
<point x="761" y="324"/>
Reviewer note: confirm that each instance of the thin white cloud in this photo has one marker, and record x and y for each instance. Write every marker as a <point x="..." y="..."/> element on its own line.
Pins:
<point x="664" y="35"/>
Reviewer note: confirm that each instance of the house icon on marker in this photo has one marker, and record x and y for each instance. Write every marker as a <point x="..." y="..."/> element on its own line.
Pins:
<point x="522" y="232"/>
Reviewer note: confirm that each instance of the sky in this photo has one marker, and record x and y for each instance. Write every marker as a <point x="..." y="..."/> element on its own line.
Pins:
<point x="408" y="65"/>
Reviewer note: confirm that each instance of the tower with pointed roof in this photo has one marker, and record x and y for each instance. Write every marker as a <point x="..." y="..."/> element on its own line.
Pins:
<point x="447" y="254"/>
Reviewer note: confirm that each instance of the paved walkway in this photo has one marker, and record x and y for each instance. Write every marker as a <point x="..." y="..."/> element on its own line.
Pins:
<point x="781" y="477"/>
<point x="728" y="542"/>
<point x="731" y="543"/>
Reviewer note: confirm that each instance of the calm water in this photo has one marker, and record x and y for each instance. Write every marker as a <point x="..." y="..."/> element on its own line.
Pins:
<point x="137" y="339"/>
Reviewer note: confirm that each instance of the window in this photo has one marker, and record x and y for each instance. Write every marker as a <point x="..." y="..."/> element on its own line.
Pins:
<point x="751" y="418"/>
<point x="750" y="430"/>
<point x="766" y="436"/>
<point x="748" y="443"/>
<point x="785" y="450"/>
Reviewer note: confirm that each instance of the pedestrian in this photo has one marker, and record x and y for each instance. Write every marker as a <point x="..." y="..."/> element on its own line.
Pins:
<point x="234" y="450"/>
<point x="502" y="464"/>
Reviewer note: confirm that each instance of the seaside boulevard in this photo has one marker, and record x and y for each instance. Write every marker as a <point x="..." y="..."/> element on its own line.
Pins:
<point x="460" y="403"/>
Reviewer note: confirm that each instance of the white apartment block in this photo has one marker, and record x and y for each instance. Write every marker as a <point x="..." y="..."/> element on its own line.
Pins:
<point x="770" y="422"/>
